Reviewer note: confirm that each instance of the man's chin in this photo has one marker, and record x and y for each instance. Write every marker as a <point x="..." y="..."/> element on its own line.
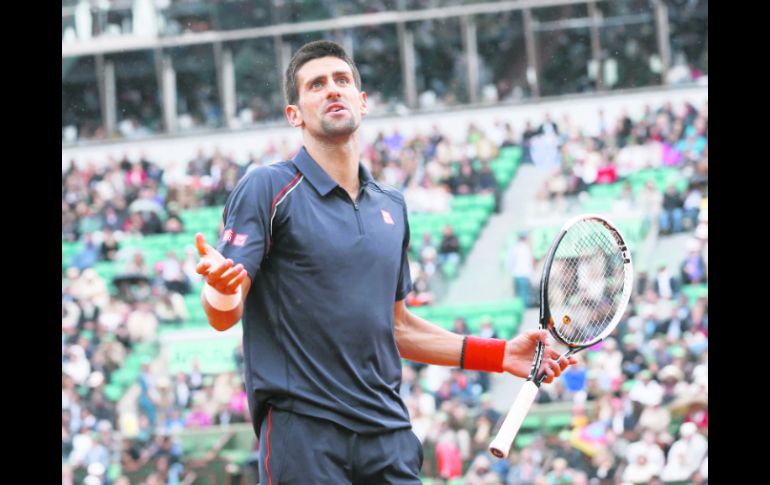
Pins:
<point x="341" y="128"/>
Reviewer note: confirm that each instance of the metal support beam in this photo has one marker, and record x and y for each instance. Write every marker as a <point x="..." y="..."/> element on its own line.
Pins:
<point x="223" y="60"/>
<point x="664" y="46"/>
<point x="348" y="44"/>
<point x="596" y="49"/>
<point x="470" y="46"/>
<point x="533" y="68"/>
<point x="105" y="80"/>
<point x="406" y="51"/>
<point x="168" y="90"/>
<point x="282" y="58"/>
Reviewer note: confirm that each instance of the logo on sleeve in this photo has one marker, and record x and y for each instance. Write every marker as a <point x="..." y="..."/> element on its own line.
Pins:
<point x="240" y="239"/>
<point x="227" y="236"/>
<point x="387" y="217"/>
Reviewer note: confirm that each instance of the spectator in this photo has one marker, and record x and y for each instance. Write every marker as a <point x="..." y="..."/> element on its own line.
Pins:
<point x="691" y="207"/>
<point x="525" y="470"/>
<point x="693" y="268"/>
<point x="487" y="184"/>
<point x="653" y="454"/>
<point x="559" y="474"/>
<point x="170" y="307"/>
<point x="607" y="172"/>
<point x="149" y="397"/>
<point x="604" y="470"/>
<point x="670" y="220"/>
<point x="142" y="324"/>
<point x="173" y="223"/>
<point x="449" y="250"/>
<point x="480" y="473"/>
<point x="88" y="255"/>
<point x="521" y="265"/>
<point x="666" y="286"/>
<point x="109" y="248"/>
<point x="640" y="471"/>
<point x="460" y="326"/>
<point x="685" y="455"/>
<point x="174" y="421"/>
<point x="137" y="265"/>
<point x="448" y="458"/>
<point x="182" y="391"/>
<point x="172" y="274"/>
<point x="466" y="181"/>
<point x="198" y="418"/>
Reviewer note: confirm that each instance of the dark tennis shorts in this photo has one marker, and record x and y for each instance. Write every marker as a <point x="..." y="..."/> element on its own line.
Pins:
<point x="298" y="449"/>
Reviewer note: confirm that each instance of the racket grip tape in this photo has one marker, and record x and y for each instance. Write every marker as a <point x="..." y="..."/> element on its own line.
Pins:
<point x="501" y="445"/>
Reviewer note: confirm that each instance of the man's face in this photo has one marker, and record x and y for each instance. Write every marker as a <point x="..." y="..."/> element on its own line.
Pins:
<point x="329" y="103"/>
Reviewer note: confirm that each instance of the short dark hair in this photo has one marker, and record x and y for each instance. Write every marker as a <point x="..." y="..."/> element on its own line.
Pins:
<point x="308" y="52"/>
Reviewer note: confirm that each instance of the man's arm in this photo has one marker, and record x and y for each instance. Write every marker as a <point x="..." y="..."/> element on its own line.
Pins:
<point x="421" y="341"/>
<point x="226" y="286"/>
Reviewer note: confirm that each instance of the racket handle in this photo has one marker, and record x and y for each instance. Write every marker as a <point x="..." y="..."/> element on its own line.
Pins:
<point x="501" y="445"/>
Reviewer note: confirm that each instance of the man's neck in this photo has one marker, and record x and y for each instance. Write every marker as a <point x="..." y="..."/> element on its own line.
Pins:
<point x="338" y="158"/>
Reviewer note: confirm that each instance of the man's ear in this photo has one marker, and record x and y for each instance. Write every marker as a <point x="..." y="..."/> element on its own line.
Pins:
<point x="364" y="107"/>
<point x="294" y="116"/>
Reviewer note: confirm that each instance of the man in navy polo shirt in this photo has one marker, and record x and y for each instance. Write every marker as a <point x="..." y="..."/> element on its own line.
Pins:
<point x="313" y="258"/>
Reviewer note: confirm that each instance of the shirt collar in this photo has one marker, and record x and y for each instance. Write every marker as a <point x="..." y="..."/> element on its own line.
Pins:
<point x="318" y="177"/>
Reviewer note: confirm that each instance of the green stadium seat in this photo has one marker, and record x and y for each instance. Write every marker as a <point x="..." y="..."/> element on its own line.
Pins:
<point x="694" y="292"/>
<point x="113" y="392"/>
<point x="532" y="422"/>
<point x="450" y="269"/>
<point x="524" y="440"/>
<point x="506" y="315"/>
<point x="558" y="422"/>
<point x="511" y="153"/>
<point x="215" y="355"/>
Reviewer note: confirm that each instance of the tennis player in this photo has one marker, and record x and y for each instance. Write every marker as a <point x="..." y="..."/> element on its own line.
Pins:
<point x="313" y="259"/>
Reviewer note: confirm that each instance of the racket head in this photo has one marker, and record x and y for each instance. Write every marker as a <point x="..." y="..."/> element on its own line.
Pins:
<point x="586" y="282"/>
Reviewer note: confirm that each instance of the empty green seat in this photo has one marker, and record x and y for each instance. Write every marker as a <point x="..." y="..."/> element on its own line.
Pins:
<point x="557" y="422"/>
<point x="694" y="292"/>
<point x="524" y="440"/>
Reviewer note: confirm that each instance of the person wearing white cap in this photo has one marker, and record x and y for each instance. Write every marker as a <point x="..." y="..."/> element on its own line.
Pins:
<point x="77" y="365"/>
<point x="655" y="459"/>
<point x="81" y="445"/>
<point x="686" y="454"/>
<point x="647" y="390"/>
<point x="655" y="418"/>
<point x="95" y="474"/>
<point x="639" y="471"/>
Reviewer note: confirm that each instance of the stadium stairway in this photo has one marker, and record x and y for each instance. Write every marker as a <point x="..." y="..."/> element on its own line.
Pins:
<point x="482" y="277"/>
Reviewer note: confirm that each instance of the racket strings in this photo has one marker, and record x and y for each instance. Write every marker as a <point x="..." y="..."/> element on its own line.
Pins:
<point x="586" y="281"/>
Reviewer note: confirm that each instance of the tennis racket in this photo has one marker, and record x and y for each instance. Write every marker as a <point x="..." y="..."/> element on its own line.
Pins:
<point x="584" y="291"/>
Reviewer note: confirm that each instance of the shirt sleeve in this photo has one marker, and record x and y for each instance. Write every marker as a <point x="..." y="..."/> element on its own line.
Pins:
<point x="246" y="235"/>
<point x="404" y="276"/>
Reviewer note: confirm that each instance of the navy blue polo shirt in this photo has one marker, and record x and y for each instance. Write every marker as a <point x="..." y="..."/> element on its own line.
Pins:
<point x="326" y="271"/>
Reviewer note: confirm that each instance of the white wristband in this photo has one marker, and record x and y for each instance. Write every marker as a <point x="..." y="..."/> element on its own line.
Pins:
<point x="219" y="300"/>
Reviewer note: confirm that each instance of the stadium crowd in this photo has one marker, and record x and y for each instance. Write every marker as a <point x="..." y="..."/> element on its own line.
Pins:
<point x="638" y="401"/>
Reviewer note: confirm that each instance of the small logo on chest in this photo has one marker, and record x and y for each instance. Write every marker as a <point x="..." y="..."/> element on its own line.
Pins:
<point x="387" y="217"/>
